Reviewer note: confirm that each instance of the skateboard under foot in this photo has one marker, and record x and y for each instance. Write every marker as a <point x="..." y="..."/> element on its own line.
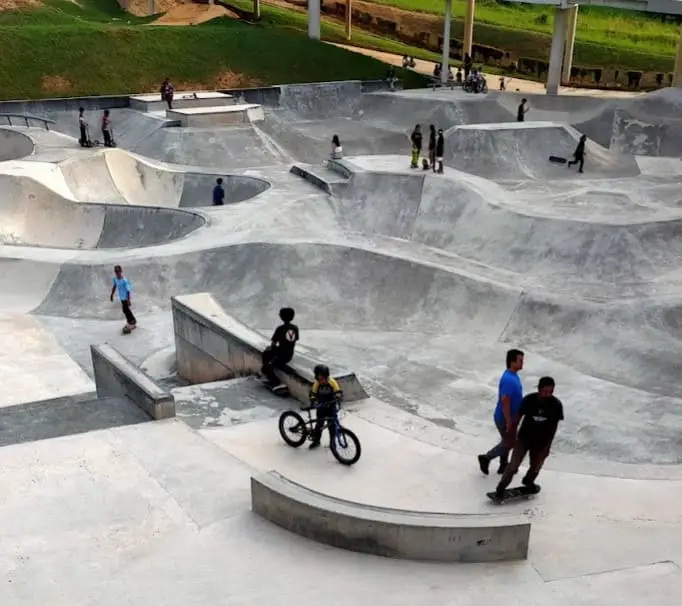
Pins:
<point x="513" y="494"/>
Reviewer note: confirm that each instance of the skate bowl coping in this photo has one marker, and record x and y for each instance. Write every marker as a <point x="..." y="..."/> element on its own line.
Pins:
<point x="392" y="533"/>
<point x="212" y="345"/>
<point x="115" y="375"/>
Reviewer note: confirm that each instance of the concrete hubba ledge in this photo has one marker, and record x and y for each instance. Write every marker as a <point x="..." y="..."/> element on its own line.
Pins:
<point x="115" y="375"/>
<point x="228" y="115"/>
<point x="393" y="533"/>
<point x="211" y="345"/>
<point x="153" y="101"/>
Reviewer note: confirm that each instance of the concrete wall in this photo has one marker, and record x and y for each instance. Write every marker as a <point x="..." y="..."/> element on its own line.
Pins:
<point x="388" y="532"/>
<point x="211" y="345"/>
<point x="117" y="376"/>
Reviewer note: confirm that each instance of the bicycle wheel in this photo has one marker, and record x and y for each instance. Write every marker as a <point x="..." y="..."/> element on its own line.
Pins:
<point x="292" y="428"/>
<point x="346" y="447"/>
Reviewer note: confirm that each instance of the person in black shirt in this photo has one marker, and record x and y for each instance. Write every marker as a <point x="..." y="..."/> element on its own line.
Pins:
<point x="541" y="413"/>
<point x="522" y="111"/>
<point x="432" y="147"/>
<point x="281" y="349"/>
<point x="440" y="148"/>
<point x="416" y="139"/>
<point x="579" y="154"/>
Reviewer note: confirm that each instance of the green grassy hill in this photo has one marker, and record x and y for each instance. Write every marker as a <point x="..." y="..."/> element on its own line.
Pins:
<point x="95" y="48"/>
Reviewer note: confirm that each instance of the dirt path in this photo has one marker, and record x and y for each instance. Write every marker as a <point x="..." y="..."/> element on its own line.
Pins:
<point x="191" y="14"/>
<point x="512" y="84"/>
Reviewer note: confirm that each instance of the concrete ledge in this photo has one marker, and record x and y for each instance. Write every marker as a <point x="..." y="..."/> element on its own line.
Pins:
<point x="202" y="117"/>
<point x="118" y="376"/>
<point x="211" y="345"/>
<point x="393" y="533"/>
<point x="153" y="102"/>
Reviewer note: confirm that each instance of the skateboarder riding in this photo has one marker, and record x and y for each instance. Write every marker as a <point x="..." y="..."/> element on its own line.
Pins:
<point x="281" y="349"/>
<point x="122" y="285"/>
<point x="541" y="413"/>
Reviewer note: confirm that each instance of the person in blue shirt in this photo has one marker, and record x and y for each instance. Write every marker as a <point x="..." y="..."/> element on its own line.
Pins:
<point x="509" y="398"/>
<point x="218" y="193"/>
<point x="121" y="284"/>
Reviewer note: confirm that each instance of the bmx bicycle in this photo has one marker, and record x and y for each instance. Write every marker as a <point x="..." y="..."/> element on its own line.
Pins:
<point x="344" y="444"/>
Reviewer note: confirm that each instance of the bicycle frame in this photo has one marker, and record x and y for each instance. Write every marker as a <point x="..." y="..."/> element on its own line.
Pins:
<point x="330" y="422"/>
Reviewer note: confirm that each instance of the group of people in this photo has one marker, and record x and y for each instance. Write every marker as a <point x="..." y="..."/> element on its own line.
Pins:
<point x="527" y="426"/>
<point x="325" y="393"/>
<point x="436" y="149"/>
<point x="105" y="124"/>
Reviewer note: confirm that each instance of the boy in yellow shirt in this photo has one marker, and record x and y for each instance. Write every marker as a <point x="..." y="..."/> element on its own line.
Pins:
<point x="325" y="396"/>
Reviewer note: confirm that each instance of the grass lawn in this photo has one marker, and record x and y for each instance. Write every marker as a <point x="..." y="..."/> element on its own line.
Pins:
<point x="623" y="32"/>
<point x="61" y="50"/>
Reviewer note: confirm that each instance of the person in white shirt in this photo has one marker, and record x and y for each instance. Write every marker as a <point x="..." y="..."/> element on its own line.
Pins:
<point x="337" y="150"/>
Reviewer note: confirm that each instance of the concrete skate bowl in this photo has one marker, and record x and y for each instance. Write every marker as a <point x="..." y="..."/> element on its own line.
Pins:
<point x="115" y="176"/>
<point x="33" y="215"/>
<point x="371" y="123"/>
<point x="14" y="145"/>
<point x="412" y="326"/>
<point x="481" y="222"/>
<point x="519" y="151"/>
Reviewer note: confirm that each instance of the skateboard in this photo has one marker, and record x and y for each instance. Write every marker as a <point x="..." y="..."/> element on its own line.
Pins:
<point x="558" y="160"/>
<point x="279" y="390"/>
<point x="127" y="329"/>
<point x="513" y="494"/>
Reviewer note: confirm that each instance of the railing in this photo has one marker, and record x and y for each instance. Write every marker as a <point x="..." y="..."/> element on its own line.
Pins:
<point x="26" y="118"/>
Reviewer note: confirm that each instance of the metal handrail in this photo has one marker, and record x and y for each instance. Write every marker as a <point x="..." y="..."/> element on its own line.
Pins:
<point x="26" y="117"/>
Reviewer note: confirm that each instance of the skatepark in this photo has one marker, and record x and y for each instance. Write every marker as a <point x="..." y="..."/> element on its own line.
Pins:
<point x="414" y="283"/>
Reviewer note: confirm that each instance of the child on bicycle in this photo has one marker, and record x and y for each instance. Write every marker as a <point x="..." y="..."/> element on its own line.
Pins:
<point x="325" y="396"/>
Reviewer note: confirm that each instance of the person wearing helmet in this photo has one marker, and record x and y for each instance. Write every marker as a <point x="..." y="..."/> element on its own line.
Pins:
<point x="281" y="349"/>
<point x="325" y="395"/>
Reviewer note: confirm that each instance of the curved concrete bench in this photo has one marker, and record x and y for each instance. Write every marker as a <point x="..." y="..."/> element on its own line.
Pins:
<point x="392" y="533"/>
<point x="212" y="345"/>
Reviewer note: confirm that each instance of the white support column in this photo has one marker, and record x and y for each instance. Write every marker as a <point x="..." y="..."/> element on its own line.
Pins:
<point x="677" y="74"/>
<point x="445" y="59"/>
<point x="150" y="6"/>
<point x="570" y="42"/>
<point x="314" y="19"/>
<point x="468" y="40"/>
<point x="556" y="53"/>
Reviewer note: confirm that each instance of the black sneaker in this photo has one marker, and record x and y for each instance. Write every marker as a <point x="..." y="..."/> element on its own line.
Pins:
<point x="531" y="487"/>
<point x="314" y="445"/>
<point x="484" y="464"/>
<point x="503" y="467"/>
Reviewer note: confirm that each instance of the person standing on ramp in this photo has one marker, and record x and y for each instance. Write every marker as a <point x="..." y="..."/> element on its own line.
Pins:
<point x="83" y="126"/>
<point x="541" y="413"/>
<point x="218" y="193"/>
<point x="416" y="139"/>
<point x="121" y="284"/>
<point x="440" y="148"/>
<point x="522" y="111"/>
<point x="579" y="154"/>
<point x="432" y="147"/>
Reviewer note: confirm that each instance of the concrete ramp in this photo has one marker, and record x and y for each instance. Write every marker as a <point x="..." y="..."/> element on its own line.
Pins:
<point x="513" y="151"/>
<point x="32" y="214"/>
<point x="14" y="145"/>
